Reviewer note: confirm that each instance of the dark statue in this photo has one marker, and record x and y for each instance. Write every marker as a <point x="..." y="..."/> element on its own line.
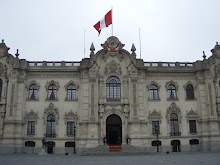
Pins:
<point x="43" y="143"/>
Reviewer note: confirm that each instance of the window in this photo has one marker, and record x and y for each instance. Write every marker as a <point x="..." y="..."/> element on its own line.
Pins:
<point x="71" y="92"/>
<point x="192" y="126"/>
<point x="189" y="92"/>
<point x="33" y="92"/>
<point x="153" y="92"/>
<point x="51" y="126"/>
<point x="174" y="125"/>
<point x="52" y="92"/>
<point x="70" y="128"/>
<point x="155" y="127"/>
<point x="0" y="89"/>
<point x="113" y="87"/>
<point x="194" y="142"/>
<point x="171" y="92"/>
<point x="31" y="128"/>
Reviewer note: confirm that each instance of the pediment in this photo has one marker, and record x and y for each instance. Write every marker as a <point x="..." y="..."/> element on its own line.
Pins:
<point x="70" y="115"/>
<point x="173" y="109"/>
<point x="51" y="109"/>
<point x="192" y="114"/>
<point x="31" y="115"/>
<point x="154" y="113"/>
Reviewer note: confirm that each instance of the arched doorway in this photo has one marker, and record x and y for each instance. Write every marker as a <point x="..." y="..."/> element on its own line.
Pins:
<point x="113" y="129"/>
<point x="175" y="145"/>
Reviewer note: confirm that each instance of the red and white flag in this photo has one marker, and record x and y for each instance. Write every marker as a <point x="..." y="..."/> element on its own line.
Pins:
<point x="104" y="22"/>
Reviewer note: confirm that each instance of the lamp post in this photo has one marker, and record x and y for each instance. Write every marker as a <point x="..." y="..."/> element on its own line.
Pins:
<point x="157" y="132"/>
<point x="74" y="148"/>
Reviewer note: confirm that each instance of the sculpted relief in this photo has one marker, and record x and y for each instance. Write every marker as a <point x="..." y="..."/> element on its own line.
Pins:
<point x="113" y="68"/>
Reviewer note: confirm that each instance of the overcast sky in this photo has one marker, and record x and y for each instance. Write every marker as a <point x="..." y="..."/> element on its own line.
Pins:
<point x="53" y="30"/>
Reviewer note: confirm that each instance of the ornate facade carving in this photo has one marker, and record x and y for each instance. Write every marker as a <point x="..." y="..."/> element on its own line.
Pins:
<point x="153" y="83"/>
<point x="112" y="45"/>
<point x="33" y="82"/>
<point x="173" y="83"/>
<point x="113" y="68"/>
<point x="192" y="115"/>
<point x="52" y="82"/>
<point x="71" y="83"/>
<point x="51" y="109"/>
<point x="173" y="109"/>
<point x="70" y="116"/>
<point x="155" y="116"/>
<point x="31" y="116"/>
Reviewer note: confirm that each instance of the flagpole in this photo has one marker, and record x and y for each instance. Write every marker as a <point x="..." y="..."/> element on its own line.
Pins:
<point x="112" y="20"/>
<point x="140" y="41"/>
<point x="84" y="43"/>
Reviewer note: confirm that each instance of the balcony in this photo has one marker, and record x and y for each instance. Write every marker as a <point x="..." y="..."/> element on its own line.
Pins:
<point x="175" y="133"/>
<point x="50" y="135"/>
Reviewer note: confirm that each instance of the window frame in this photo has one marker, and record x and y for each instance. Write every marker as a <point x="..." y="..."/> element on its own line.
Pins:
<point x="153" y="92"/>
<point x="34" y="92"/>
<point x="189" y="92"/>
<point x="52" y="90"/>
<point x="51" y="126"/>
<point x="192" y="127"/>
<point x="31" y="127"/>
<point x="113" y="89"/>
<point x="70" y="128"/>
<point x="171" y="89"/>
<point x="174" y="125"/>
<point x="154" y="124"/>
<point x="71" y="92"/>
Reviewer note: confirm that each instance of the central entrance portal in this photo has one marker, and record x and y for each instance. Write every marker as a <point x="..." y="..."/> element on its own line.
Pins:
<point x="113" y="129"/>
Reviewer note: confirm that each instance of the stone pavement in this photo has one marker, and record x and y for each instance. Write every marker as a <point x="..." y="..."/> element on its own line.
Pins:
<point x="198" y="158"/>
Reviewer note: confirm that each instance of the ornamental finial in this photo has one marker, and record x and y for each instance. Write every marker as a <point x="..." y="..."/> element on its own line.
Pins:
<point x="133" y="49"/>
<point x="17" y="54"/>
<point x="204" y="56"/>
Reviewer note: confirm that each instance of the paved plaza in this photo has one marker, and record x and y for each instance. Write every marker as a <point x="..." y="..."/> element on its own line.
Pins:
<point x="202" y="158"/>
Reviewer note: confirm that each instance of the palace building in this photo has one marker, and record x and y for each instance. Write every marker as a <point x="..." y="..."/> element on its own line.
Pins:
<point x="112" y="94"/>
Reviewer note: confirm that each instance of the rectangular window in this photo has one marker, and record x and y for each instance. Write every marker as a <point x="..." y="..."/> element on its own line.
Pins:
<point x="174" y="128"/>
<point x="192" y="126"/>
<point x="70" y="128"/>
<point x="31" y="128"/>
<point x="155" y="127"/>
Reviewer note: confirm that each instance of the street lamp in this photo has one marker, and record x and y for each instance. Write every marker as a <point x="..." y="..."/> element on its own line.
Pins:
<point x="157" y="132"/>
<point x="74" y="148"/>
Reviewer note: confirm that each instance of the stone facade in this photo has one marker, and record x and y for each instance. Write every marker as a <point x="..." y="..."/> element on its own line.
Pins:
<point x="182" y="99"/>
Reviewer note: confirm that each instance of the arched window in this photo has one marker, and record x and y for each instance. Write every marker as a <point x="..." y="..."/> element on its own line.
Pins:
<point x="71" y="92"/>
<point x="52" y="92"/>
<point x="0" y="89"/>
<point x="171" y="92"/>
<point x="189" y="92"/>
<point x="113" y="87"/>
<point x="51" y="126"/>
<point x="174" y="125"/>
<point x="153" y="92"/>
<point x="33" y="89"/>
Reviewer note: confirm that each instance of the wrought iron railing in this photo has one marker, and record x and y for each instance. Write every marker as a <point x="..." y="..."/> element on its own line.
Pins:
<point x="50" y="135"/>
<point x="175" y="133"/>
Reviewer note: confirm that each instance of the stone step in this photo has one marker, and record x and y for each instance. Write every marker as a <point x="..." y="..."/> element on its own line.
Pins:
<point x="115" y="148"/>
<point x="103" y="150"/>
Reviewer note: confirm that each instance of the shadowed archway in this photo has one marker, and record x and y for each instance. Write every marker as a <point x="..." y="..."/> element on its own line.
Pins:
<point x="113" y="129"/>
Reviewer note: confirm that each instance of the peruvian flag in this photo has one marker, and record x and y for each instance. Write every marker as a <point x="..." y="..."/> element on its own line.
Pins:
<point x="104" y="22"/>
